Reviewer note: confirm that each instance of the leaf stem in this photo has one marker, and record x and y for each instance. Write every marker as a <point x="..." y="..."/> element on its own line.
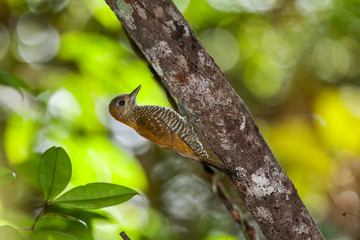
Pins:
<point x="32" y="228"/>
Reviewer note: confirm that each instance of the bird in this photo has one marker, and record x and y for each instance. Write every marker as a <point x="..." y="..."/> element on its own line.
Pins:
<point x="161" y="125"/>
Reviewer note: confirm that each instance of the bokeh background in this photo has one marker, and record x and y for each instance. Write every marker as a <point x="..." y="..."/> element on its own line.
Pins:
<point x="296" y="64"/>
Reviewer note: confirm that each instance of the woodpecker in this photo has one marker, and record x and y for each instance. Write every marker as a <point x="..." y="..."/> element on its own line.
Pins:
<point x="161" y="125"/>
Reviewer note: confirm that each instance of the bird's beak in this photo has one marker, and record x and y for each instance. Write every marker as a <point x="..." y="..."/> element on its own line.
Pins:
<point x="134" y="93"/>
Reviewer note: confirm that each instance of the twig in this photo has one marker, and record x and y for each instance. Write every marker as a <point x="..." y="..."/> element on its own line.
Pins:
<point x="248" y="230"/>
<point x="124" y="236"/>
<point x="349" y="213"/>
<point x="32" y="228"/>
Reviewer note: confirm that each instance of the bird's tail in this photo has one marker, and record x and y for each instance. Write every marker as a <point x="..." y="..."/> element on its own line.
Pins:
<point x="219" y="166"/>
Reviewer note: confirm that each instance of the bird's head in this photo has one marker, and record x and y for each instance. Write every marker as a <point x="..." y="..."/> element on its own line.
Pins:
<point x="121" y="107"/>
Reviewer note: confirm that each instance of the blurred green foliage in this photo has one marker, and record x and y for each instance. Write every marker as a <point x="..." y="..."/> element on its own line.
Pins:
<point x="294" y="63"/>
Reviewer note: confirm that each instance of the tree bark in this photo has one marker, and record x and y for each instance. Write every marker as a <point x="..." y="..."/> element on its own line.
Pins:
<point x="224" y="121"/>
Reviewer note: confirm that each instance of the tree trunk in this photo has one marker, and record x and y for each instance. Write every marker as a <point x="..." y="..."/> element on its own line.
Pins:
<point x="224" y="121"/>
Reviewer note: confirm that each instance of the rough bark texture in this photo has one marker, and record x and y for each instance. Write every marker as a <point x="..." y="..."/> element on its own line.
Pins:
<point x="225" y="123"/>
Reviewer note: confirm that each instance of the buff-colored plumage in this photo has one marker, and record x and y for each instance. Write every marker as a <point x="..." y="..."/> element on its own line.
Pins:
<point x="161" y="125"/>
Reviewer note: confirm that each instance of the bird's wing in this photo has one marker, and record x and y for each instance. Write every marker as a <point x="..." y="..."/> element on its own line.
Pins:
<point x="164" y="133"/>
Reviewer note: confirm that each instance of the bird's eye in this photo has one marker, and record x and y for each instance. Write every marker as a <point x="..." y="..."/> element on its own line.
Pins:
<point x="122" y="103"/>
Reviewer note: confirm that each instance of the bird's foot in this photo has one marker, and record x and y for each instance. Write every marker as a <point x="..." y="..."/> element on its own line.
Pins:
<point x="189" y="116"/>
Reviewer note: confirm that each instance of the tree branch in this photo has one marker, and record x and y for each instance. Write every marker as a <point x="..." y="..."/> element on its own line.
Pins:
<point x="225" y="123"/>
<point x="248" y="230"/>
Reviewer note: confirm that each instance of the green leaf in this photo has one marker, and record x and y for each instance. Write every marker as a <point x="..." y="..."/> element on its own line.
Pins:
<point x="54" y="172"/>
<point x="13" y="81"/>
<point x="61" y="227"/>
<point x="52" y="235"/>
<point x="9" y="233"/>
<point x="81" y="214"/>
<point x="6" y="175"/>
<point x="95" y="195"/>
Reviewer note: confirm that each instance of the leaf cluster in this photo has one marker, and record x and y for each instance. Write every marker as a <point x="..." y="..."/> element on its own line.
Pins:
<point x="54" y="176"/>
